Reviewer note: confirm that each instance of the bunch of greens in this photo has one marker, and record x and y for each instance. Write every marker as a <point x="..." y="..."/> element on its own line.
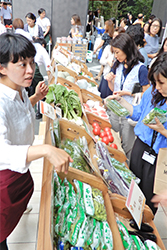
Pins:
<point x="68" y="101"/>
<point x="155" y="112"/>
<point x="116" y="107"/>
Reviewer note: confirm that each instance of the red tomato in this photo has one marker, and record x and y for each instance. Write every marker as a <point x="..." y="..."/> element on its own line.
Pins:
<point x="107" y="129"/>
<point x="95" y="124"/>
<point x="103" y="134"/>
<point x="111" y="138"/>
<point x="96" y="131"/>
<point x="105" y="140"/>
<point x="113" y="145"/>
<point x="108" y="132"/>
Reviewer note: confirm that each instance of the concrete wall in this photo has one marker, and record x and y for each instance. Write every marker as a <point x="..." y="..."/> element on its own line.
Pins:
<point x="58" y="11"/>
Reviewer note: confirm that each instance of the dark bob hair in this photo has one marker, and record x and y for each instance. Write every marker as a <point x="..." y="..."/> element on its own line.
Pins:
<point x="136" y="32"/>
<point x="14" y="47"/>
<point x="41" y="10"/>
<point x="31" y="16"/>
<point x="125" y="43"/>
<point x="157" y="68"/>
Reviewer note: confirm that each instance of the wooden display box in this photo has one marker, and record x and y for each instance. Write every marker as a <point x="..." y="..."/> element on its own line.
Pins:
<point x="44" y="240"/>
<point x="118" y="204"/>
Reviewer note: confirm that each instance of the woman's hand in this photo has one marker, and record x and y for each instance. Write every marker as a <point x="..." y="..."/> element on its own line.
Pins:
<point x="59" y="158"/>
<point x="122" y="93"/>
<point x="158" y="126"/>
<point x="110" y="77"/>
<point x="41" y="90"/>
<point x="162" y="198"/>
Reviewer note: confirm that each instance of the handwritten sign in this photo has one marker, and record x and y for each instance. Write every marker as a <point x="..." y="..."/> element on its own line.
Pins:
<point x="135" y="203"/>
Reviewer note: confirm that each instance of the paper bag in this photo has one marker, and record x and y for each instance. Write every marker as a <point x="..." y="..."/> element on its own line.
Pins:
<point x="160" y="181"/>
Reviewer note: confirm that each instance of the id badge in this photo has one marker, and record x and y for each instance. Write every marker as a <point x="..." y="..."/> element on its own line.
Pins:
<point x="148" y="157"/>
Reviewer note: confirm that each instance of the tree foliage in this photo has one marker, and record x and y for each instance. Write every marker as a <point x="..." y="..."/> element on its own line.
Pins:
<point x="120" y="9"/>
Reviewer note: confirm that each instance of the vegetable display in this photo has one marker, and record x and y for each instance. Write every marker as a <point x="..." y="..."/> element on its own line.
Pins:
<point x="95" y="108"/>
<point x="117" y="108"/>
<point x="67" y="100"/>
<point x="155" y="112"/>
<point x="80" y="217"/>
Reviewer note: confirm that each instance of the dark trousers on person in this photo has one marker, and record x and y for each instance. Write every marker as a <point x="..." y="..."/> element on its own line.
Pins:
<point x="144" y="170"/>
<point x="3" y="245"/>
<point x="7" y="22"/>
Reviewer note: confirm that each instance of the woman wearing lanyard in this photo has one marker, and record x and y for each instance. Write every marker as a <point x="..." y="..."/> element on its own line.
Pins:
<point x="150" y="137"/>
<point x="127" y="70"/>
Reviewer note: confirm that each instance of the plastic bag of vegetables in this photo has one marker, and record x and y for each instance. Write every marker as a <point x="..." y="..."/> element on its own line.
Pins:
<point x="115" y="181"/>
<point x="117" y="108"/>
<point x="155" y="112"/>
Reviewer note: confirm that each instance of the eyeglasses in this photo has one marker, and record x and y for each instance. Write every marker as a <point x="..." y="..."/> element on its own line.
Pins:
<point x="155" y="26"/>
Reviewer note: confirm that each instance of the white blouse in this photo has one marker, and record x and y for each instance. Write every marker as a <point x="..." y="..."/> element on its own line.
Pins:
<point x="44" y="23"/>
<point x="17" y="119"/>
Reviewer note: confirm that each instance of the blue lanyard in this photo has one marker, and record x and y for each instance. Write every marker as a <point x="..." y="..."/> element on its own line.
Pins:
<point x="123" y="78"/>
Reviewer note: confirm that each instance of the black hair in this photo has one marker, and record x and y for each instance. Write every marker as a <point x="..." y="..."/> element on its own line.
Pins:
<point x="158" y="67"/>
<point x="41" y="10"/>
<point x="31" y="16"/>
<point x="160" y="23"/>
<point x="162" y="47"/>
<point x="136" y="32"/>
<point x="41" y="41"/>
<point x="125" y="43"/>
<point x="14" y="47"/>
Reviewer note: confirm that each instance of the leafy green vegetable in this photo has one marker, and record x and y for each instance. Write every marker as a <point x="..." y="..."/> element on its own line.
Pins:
<point x="68" y="100"/>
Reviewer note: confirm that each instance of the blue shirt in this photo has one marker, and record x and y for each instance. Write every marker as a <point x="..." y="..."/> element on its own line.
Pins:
<point x="141" y="130"/>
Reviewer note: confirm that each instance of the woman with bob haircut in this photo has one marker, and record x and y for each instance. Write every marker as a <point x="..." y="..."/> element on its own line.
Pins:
<point x="17" y="118"/>
<point x="34" y="29"/>
<point x="149" y="137"/>
<point x="127" y="70"/>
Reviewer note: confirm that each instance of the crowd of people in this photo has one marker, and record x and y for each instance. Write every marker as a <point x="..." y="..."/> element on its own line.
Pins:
<point x="135" y="56"/>
<point x="130" y="54"/>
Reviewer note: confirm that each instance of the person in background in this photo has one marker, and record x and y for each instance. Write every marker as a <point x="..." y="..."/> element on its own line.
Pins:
<point x="152" y="38"/>
<point x="140" y="20"/>
<point x="75" y="22"/>
<point x="34" y="29"/>
<point x="45" y="24"/>
<point x="107" y="59"/>
<point x="6" y="15"/>
<point x="105" y="40"/>
<point x="127" y="70"/>
<point x="149" y="137"/>
<point x="123" y="23"/>
<point x="129" y="19"/>
<point x="2" y="28"/>
<point x="162" y="49"/>
<point x="89" y="24"/>
<point x="146" y="24"/>
<point x="17" y="132"/>
<point x="137" y="34"/>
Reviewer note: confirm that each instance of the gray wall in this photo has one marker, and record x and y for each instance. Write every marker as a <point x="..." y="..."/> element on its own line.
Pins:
<point x="58" y="11"/>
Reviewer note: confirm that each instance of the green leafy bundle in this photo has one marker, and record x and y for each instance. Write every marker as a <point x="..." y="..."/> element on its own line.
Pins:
<point x="68" y="100"/>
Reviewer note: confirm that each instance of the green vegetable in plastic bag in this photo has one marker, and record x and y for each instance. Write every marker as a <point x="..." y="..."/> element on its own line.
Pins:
<point x="151" y="245"/>
<point x="137" y="243"/>
<point x="88" y="201"/>
<point x="98" y="201"/>
<point x="56" y="131"/>
<point x="126" y="240"/>
<point x="155" y="112"/>
<point x="117" y="108"/>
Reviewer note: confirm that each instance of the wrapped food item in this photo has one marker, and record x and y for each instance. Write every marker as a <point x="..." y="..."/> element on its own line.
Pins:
<point x="151" y="245"/>
<point x="56" y="132"/>
<point x="99" y="207"/>
<point x="117" y="108"/>
<point x="155" y="112"/>
<point x="137" y="243"/>
<point x="126" y="239"/>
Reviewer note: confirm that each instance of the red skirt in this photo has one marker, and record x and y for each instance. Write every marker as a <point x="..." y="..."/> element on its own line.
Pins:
<point x="15" y="192"/>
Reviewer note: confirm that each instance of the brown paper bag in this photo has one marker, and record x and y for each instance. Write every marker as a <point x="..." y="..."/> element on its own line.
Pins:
<point x="160" y="181"/>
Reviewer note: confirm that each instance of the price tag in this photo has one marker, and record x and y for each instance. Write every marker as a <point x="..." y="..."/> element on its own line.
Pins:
<point x="47" y="109"/>
<point x="135" y="202"/>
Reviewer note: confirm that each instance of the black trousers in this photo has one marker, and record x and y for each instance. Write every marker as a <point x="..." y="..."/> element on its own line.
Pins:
<point x="3" y="245"/>
<point x="144" y="170"/>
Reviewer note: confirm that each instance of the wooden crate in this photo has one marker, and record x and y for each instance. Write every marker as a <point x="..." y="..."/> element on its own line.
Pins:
<point x="118" y="203"/>
<point x="79" y="77"/>
<point x="63" y="69"/>
<point x="44" y="240"/>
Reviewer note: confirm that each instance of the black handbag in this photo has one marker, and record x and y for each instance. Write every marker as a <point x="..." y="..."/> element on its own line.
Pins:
<point x="137" y="88"/>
